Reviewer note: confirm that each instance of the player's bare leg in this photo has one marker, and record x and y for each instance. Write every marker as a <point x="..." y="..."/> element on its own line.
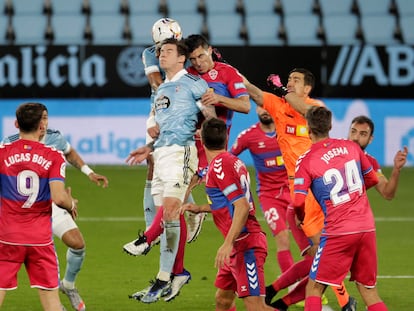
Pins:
<point x="225" y="300"/>
<point x="371" y="298"/>
<point x="50" y="300"/>
<point x="2" y="295"/>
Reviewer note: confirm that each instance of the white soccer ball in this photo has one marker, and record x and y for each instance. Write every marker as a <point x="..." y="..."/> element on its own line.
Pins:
<point x="166" y="28"/>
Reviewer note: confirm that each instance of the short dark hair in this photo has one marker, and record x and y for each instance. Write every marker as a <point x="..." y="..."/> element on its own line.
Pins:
<point x="195" y="41"/>
<point x="29" y="115"/>
<point x="181" y="46"/>
<point x="319" y="120"/>
<point x="214" y="134"/>
<point x="309" y="78"/>
<point x="364" y="119"/>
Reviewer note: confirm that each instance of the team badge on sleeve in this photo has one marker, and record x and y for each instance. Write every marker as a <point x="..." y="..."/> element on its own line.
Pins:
<point x="63" y="170"/>
<point x="299" y="181"/>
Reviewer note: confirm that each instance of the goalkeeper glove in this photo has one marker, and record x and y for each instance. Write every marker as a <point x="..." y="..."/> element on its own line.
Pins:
<point x="273" y="81"/>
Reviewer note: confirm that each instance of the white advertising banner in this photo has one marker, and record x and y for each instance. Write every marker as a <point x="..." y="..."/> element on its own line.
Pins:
<point x="104" y="131"/>
<point x="100" y="140"/>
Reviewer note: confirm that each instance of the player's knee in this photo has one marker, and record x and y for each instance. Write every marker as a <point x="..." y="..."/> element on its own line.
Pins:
<point x="78" y="244"/>
<point x="73" y="239"/>
<point x="282" y="240"/>
<point x="224" y="300"/>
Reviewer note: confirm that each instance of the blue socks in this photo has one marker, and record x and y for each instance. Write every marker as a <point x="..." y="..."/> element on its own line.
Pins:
<point x="148" y="204"/>
<point x="169" y="245"/>
<point x="74" y="261"/>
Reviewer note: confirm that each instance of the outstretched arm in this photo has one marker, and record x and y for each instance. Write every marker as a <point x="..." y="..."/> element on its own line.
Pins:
<point x="75" y="159"/>
<point x="388" y="188"/>
<point x="240" y="104"/>
<point x="255" y="93"/>
<point x="140" y="154"/>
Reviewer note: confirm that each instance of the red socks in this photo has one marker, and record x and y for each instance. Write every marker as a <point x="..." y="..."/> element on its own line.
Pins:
<point x="313" y="303"/>
<point x="285" y="260"/>
<point x="179" y="259"/>
<point x="296" y="272"/>
<point x="379" y="306"/>
<point x="156" y="227"/>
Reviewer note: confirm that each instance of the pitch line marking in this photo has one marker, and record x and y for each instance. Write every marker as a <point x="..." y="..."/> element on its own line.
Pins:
<point x="126" y="219"/>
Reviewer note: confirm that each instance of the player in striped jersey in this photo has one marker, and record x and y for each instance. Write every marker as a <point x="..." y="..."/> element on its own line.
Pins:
<point x="31" y="176"/>
<point x="63" y="225"/>
<point x="272" y="180"/>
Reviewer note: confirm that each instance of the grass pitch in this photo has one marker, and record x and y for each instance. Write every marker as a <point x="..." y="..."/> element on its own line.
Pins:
<point x="111" y="217"/>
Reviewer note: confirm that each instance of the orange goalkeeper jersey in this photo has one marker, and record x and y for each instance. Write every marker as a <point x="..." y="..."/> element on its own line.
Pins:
<point x="291" y="129"/>
<point x="293" y="138"/>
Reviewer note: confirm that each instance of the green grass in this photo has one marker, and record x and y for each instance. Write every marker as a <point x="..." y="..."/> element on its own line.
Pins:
<point x="111" y="217"/>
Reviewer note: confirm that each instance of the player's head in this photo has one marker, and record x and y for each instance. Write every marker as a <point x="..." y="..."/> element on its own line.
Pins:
<point x="200" y="53"/>
<point x="166" y="28"/>
<point x="214" y="134"/>
<point x="301" y="81"/>
<point x="361" y="131"/>
<point x="165" y="47"/>
<point x="264" y="116"/>
<point x="30" y="117"/>
<point x="319" y="121"/>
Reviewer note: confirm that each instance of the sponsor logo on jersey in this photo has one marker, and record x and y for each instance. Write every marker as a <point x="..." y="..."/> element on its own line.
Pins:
<point x="297" y="130"/>
<point x="162" y="103"/>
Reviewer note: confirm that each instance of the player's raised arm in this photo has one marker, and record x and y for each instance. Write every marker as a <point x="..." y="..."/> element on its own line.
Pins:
<point x="75" y="159"/>
<point x="255" y="93"/>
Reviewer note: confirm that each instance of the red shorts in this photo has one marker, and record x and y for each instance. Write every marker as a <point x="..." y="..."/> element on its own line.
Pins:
<point x="274" y="206"/>
<point x="41" y="265"/>
<point x="245" y="273"/>
<point x="337" y="255"/>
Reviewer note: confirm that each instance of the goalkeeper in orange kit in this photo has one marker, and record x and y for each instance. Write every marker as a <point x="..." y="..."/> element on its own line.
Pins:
<point x="288" y="108"/>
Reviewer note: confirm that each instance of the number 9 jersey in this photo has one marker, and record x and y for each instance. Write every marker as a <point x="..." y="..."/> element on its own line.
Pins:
<point x="26" y="169"/>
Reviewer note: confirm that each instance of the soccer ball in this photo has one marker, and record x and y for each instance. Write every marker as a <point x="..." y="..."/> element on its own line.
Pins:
<point x="166" y="28"/>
